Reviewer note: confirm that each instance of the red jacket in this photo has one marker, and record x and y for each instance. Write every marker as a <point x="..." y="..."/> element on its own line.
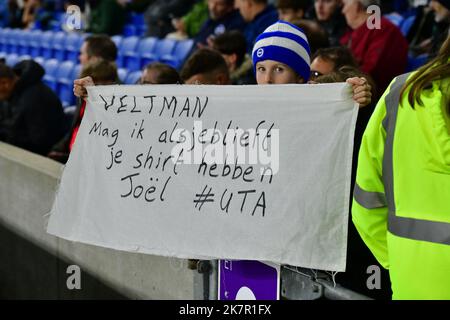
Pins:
<point x="382" y="53"/>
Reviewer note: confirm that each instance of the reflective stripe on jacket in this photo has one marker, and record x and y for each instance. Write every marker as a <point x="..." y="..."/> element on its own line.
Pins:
<point x="401" y="203"/>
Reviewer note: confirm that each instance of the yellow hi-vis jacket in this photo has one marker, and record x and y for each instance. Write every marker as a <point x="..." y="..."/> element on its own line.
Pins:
<point x="401" y="200"/>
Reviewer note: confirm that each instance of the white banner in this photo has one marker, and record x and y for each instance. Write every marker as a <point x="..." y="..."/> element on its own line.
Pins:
<point x="223" y="172"/>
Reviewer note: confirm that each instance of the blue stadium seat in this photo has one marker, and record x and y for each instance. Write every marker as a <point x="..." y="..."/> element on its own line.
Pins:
<point x="407" y="24"/>
<point x="122" y="73"/>
<point x="12" y="59"/>
<point x="416" y="62"/>
<point x="179" y="55"/>
<point x="146" y="47"/>
<point x="133" y="77"/>
<point x="39" y="60"/>
<point x="3" y="35"/>
<point x="130" y="30"/>
<point x="35" y="43"/>
<point x="46" y="44"/>
<point x="66" y="91"/>
<point x="117" y="39"/>
<point x="76" y="72"/>
<point x="65" y="82"/>
<point x="25" y="43"/>
<point x="5" y="41"/>
<point x="24" y="57"/>
<point x="137" y="19"/>
<point x="163" y="47"/>
<point x="395" y="18"/>
<point x="72" y="46"/>
<point x="13" y="41"/>
<point x="128" y="47"/>
<point x="50" y="66"/>
<point x="58" y="46"/>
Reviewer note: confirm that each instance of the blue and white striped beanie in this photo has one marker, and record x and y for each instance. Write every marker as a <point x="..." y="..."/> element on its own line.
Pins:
<point x="285" y="43"/>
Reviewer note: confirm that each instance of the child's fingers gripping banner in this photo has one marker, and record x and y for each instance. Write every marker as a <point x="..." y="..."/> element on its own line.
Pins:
<point x="226" y="172"/>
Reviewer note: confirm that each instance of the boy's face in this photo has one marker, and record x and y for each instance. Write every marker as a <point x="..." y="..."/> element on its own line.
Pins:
<point x="274" y="72"/>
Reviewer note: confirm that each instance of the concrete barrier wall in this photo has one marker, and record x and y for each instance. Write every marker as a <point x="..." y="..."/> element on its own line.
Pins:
<point x="33" y="263"/>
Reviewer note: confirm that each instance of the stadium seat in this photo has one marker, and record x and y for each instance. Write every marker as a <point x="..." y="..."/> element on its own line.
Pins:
<point x="24" y="57"/>
<point x="137" y="19"/>
<point x="395" y="18"/>
<point x="133" y="77"/>
<point x="4" y="33"/>
<point x="163" y="47"/>
<point x="39" y="60"/>
<point x="117" y="40"/>
<point x="65" y="84"/>
<point x="122" y="73"/>
<point x="179" y="55"/>
<point x="12" y="59"/>
<point x="35" y="43"/>
<point x="127" y="48"/>
<point x="407" y="24"/>
<point x="58" y="46"/>
<point x="134" y="61"/>
<point x="46" y="44"/>
<point x="130" y="30"/>
<point x="72" y="46"/>
<point x="416" y="62"/>
<point x="50" y="66"/>
<point x="13" y="41"/>
<point x="25" y="42"/>
<point x="63" y="74"/>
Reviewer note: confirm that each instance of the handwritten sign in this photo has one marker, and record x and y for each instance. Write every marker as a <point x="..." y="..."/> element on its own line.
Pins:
<point x="223" y="172"/>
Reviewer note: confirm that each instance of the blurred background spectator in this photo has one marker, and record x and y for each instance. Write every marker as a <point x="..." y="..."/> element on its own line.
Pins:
<point x="106" y="16"/>
<point x="33" y="118"/>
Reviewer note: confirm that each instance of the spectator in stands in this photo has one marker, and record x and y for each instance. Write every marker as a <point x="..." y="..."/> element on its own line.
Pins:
<point x="159" y="73"/>
<point x="328" y="14"/>
<point x="316" y="34"/>
<point x="160" y="13"/>
<point x="95" y="48"/>
<point x="205" y="66"/>
<point x="34" y="117"/>
<point x="441" y="9"/>
<point x="189" y="25"/>
<point x="327" y="60"/>
<point x="258" y="15"/>
<point x="4" y="14"/>
<point x="292" y="10"/>
<point x="233" y="48"/>
<point x="222" y="17"/>
<point x="15" y="13"/>
<point x="102" y="72"/>
<point x="106" y="17"/>
<point x="372" y="47"/>
<point x="30" y="9"/>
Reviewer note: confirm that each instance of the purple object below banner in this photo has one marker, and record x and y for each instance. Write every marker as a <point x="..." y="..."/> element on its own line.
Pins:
<point x="248" y="280"/>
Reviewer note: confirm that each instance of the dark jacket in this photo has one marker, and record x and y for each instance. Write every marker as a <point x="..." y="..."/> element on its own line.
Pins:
<point x="33" y="117"/>
<point x="254" y="28"/>
<point x="107" y="16"/>
<point x="232" y="21"/>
